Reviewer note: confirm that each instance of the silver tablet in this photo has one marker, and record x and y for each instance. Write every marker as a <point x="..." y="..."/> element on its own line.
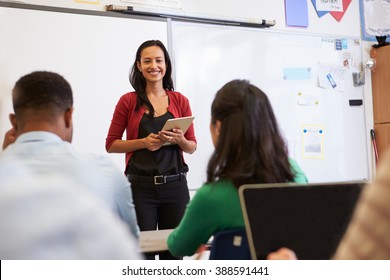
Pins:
<point x="182" y="123"/>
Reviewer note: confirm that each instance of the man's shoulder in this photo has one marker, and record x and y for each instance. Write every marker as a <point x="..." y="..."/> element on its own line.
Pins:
<point x="97" y="160"/>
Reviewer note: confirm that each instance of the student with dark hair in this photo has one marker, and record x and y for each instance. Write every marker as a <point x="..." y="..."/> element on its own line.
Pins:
<point x="249" y="148"/>
<point x="157" y="172"/>
<point x="42" y="129"/>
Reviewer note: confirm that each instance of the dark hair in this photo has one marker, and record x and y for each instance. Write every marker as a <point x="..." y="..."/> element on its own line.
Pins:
<point x="138" y="81"/>
<point x="42" y="91"/>
<point x="250" y="148"/>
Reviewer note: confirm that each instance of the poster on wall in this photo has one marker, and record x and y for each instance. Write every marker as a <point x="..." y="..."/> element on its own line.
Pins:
<point x="374" y="18"/>
<point x="312" y="141"/>
<point x="336" y="8"/>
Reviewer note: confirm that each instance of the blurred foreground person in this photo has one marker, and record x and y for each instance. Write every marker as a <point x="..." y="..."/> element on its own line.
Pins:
<point x="53" y="218"/>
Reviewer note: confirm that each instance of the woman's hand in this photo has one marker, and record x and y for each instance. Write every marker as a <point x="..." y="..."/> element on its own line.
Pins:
<point x="152" y="142"/>
<point x="175" y="136"/>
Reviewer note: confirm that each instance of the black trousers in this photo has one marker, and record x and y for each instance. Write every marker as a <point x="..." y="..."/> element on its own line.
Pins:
<point x="160" y="206"/>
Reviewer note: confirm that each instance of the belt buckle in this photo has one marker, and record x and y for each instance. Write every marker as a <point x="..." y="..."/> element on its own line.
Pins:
<point x="159" y="180"/>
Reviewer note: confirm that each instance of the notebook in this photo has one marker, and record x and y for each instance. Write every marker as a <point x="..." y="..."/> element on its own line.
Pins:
<point x="309" y="219"/>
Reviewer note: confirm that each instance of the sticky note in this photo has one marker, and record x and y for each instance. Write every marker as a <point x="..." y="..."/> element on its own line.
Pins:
<point x="300" y="73"/>
<point x="344" y="43"/>
<point x="296" y="13"/>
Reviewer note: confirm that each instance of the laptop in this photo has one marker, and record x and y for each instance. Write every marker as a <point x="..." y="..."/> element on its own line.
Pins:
<point x="309" y="219"/>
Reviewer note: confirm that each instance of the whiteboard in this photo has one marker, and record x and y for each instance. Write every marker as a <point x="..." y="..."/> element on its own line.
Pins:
<point x="208" y="56"/>
<point x="93" y="52"/>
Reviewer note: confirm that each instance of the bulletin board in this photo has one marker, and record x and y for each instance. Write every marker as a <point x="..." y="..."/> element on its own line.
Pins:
<point x="308" y="79"/>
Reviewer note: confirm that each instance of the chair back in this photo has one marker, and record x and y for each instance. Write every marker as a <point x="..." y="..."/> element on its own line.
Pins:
<point x="230" y="244"/>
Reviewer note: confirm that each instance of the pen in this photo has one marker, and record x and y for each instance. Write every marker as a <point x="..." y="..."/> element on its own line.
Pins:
<point x="131" y="10"/>
<point x="374" y="146"/>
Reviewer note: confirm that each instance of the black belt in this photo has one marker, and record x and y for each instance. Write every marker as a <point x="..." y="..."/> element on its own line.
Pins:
<point x="156" y="180"/>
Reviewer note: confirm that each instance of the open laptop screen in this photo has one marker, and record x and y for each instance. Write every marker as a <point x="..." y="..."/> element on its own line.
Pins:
<point x="309" y="219"/>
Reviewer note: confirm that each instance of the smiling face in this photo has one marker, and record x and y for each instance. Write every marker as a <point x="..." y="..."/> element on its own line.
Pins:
<point x="152" y="64"/>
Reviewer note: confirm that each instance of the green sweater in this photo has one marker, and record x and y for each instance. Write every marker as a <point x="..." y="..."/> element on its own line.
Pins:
<point x="215" y="207"/>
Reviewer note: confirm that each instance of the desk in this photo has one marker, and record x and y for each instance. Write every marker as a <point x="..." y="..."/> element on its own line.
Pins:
<point x="154" y="241"/>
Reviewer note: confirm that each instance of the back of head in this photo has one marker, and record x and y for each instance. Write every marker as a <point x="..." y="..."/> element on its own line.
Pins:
<point x="250" y="148"/>
<point x="41" y="93"/>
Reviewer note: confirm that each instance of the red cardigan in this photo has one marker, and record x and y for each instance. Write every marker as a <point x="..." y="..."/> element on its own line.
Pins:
<point x="125" y="117"/>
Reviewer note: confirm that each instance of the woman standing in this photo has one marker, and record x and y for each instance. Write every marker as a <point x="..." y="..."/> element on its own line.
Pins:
<point x="157" y="172"/>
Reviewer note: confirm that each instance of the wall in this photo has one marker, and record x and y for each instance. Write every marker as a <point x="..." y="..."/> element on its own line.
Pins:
<point x="247" y="9"/>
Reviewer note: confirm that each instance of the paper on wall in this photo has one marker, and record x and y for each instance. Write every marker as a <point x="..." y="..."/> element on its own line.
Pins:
<point x="331" y="76"/>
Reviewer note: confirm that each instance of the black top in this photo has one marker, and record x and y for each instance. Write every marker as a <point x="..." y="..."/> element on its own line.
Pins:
<point x="165" y="161"/>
